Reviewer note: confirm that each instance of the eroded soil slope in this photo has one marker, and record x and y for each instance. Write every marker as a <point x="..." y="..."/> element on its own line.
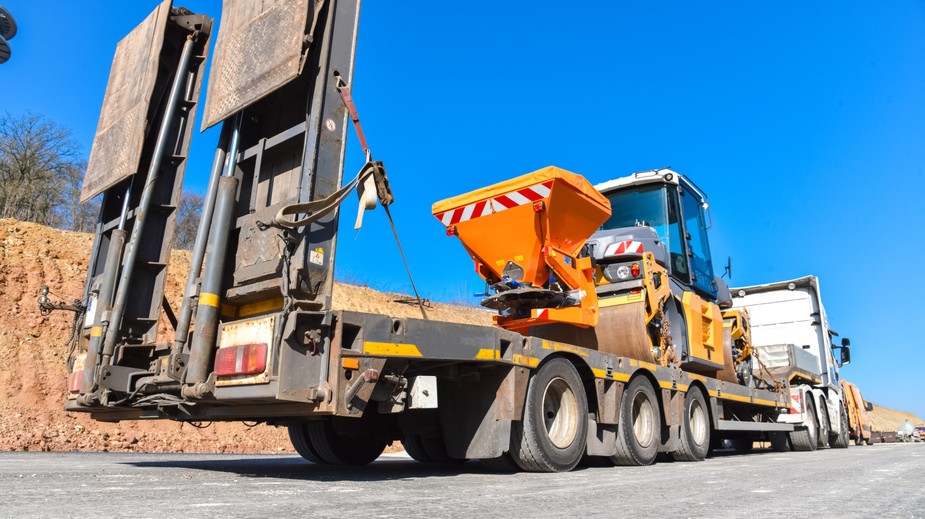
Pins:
<point x="33" y="353"/>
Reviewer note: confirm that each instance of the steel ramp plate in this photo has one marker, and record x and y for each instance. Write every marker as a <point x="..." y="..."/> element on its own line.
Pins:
<point x="259" y="49"/>
<point x="120" y="133"/>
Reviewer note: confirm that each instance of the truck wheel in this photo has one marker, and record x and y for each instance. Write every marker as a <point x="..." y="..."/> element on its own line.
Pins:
<point x="639" y="432"/>
<point x="824" y="429"/>
<point x="841" y="440"/>
<point x="415" y="448"/>
<point x="342" y="450"/>
<point x="806" y="439"/>
<point x="553" y="433"/>
<point x="298" y="435"/>
<point x="779" y="441"/>
<point x="695" y="429"/>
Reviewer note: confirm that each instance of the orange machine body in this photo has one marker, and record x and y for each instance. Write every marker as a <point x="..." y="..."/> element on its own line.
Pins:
<point x="539" y="222"/>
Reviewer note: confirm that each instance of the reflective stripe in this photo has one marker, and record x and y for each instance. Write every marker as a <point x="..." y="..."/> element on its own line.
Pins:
<point x="391" y="349"/>
<point x="487" y="354"/>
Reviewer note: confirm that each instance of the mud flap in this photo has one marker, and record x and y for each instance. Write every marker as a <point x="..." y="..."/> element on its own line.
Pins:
<point x="476" y="412"/>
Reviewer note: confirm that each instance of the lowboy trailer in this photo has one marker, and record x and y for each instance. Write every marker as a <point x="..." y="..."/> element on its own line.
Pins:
<point x="614" y="339"/>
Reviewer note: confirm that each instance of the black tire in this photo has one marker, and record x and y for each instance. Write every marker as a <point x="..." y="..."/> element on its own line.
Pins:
<point x="639" y="431"/>
<point x="554" y="431"/>
<point x="695" y="428"/>
<point x="298" y="435"/>
<point x="435" y="448"/>
<point x="504" y="463"/>
<point x="780" y="442"/>
<point x="825" y="431"/>
<point x="743" y="445"/>
<point x="342" y="450"/>
<point x="415" y="448"/>
<point x="841" y="440"/>
<point x="806" y="438"/>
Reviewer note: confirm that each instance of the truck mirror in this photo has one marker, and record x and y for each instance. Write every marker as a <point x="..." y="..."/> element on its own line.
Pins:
<point x="868" y="406"/>
<point x="846" y="341"/>
<point x="845" y="355"/>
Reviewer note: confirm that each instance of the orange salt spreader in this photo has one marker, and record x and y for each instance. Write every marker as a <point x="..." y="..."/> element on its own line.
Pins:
<point x="525" y="235"/>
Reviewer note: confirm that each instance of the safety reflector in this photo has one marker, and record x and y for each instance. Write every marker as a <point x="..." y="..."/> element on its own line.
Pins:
<point x="796" y="399"/>
<point x="247" y="359"/>
<point x="74" y="380"/>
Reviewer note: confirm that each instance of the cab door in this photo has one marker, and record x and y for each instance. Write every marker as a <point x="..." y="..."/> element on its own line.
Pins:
<point x="698" y="247"/>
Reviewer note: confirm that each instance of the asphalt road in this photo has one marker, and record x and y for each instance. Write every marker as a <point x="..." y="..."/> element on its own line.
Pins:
<point x="877" y="481"/>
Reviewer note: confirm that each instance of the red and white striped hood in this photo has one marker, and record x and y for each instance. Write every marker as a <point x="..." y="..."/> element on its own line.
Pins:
<point x="496" y="204"/>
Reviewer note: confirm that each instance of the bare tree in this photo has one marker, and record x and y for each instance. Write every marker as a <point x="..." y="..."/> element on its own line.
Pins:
<point x="40" y="171"/>
<point x="188" y="214"/>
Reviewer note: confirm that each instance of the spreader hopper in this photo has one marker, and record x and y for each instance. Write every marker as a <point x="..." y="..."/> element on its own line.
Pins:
<point x="525" y="235"/>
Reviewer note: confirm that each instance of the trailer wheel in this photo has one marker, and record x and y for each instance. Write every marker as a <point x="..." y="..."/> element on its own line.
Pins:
<point x="298" y="435"/>
<point x="779" y="441"/>
<point x="824" y="429"/>
<point x="553" y="433"/>
<point x="695" y="429"/>
<point x="342" y="450"/>
<point x="427" y="449"/>
<point x="639" y="432"/>
<point x="415" y="448"/>
<point x="841" y="440"/>
<point x="806" y="439"/>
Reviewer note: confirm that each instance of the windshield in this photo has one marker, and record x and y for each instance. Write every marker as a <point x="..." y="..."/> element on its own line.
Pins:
<point x="639" y="206"/>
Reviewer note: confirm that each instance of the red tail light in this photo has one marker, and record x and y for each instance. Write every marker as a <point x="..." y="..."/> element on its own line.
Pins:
<point x="634" y="270"/>
<point x="74" y="380"/>
<point x="247" y="359"/>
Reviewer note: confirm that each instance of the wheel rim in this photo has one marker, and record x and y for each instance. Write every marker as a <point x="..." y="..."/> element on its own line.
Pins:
<point x="642" y="419"/>
<point x="697" y="419"/>
<point x="560" y="413"/>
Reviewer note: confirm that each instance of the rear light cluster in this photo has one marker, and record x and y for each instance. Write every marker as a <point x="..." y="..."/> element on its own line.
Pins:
<point x="246" y="359"/>
<point x="622" y="272"/>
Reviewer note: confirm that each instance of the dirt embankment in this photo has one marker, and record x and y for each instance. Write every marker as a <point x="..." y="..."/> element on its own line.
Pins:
<point x="33" y="353"/>
<point x="890" y="420"/>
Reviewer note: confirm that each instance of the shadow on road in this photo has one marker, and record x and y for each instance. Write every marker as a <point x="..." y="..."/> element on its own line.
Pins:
<point x="384" y="469"/>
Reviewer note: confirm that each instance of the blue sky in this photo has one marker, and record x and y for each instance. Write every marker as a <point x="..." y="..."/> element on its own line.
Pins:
<point x="804" y="124"/>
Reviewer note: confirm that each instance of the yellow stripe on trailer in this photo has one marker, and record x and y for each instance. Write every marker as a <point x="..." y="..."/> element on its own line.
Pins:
<point x="668" y="384"/>
<point x="96" y="331"/>
<point x="524" y="360"/>
<point x="555" y="346"/>
<point x="602" y="373"/>
<point x="488" y="354"/>
<point x="391" y="349"/>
